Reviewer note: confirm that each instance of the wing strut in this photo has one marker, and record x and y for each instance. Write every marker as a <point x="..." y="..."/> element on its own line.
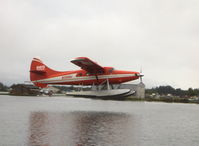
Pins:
<point x="97" y="78"/>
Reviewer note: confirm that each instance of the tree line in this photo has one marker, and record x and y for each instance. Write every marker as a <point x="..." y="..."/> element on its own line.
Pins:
<point x="165" y="90"/>
<point x="161" y="90"/>
<point x="3" y="87"/>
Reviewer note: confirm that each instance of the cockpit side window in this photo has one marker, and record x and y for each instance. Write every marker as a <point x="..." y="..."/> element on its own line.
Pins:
<point x="110" y="70"/>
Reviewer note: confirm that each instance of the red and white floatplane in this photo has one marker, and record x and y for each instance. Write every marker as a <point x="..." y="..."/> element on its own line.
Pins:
<point x="90" y="73"/>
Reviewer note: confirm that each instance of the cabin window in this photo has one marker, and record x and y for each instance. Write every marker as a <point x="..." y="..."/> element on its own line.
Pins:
<point x="88" y="74"/>
<point x="80" y="74"/>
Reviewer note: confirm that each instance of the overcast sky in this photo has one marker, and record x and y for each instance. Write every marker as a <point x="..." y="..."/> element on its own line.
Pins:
<point x="161" y="36"/>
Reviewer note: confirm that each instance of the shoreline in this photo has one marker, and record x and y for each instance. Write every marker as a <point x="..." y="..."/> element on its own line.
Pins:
<point x="166" y="100"/>
<point x="161" y="99"/>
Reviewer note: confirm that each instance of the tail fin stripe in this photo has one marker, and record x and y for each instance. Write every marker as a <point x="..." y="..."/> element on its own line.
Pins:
<point x="35" y="59"/>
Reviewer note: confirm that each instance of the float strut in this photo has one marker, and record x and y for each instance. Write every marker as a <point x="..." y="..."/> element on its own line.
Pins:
<point x="108" y="85"/>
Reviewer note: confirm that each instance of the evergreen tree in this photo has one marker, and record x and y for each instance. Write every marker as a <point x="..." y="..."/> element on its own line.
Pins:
<point x="3" y="87"/>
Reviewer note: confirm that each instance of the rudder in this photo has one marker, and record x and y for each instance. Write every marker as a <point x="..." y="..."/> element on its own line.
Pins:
<point x="39" y="71"/>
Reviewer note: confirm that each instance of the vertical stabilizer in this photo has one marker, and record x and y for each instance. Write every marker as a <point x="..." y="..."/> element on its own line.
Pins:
<point x="39" y="71"/>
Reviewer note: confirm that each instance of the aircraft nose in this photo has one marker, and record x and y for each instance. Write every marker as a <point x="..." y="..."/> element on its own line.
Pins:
<point x="139" y="74"/>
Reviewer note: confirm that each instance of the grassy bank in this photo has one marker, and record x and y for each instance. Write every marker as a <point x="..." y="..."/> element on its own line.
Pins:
<point x="164" y="99"/>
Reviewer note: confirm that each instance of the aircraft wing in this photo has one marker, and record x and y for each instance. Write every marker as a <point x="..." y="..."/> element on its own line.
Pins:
<point x="88" y="65"/>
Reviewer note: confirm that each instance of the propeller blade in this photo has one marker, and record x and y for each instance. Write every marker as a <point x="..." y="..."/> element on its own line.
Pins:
<point x="141" y="75"/>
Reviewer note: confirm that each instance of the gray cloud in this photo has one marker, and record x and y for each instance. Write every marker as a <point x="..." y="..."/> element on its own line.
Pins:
<point x="161" y="36"/>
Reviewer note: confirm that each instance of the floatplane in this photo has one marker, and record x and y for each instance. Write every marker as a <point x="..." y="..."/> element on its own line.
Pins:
<point x="91" y="73"/>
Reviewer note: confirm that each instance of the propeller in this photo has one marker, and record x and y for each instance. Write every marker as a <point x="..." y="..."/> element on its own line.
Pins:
<point x="141" y="75"/>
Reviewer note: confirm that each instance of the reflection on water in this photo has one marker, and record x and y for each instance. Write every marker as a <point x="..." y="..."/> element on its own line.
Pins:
<point x="39" y="129"/>
<point x="81" y="129"/>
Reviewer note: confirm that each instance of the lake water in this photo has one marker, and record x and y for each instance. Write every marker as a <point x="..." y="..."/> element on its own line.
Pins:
<point x="65" y="121"/>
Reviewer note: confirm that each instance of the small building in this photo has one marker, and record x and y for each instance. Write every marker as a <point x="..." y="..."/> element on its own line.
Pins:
<point x="24" y="90"/>
<point x="138" y="88"/>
